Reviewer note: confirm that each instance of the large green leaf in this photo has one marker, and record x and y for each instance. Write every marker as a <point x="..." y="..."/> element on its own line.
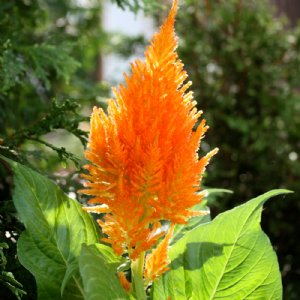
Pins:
<point x="98" y="269"/>
<point x="228" y="258"/>
<point x="56" y="227"/>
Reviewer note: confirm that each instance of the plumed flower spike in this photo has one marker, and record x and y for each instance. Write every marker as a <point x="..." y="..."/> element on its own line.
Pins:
<point x="145" y="167"/>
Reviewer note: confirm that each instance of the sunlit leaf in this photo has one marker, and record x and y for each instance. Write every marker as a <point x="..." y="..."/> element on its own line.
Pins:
<point x="228" y="258"/>
<point x="56" y="227"/>
<point x="98" y="268"/>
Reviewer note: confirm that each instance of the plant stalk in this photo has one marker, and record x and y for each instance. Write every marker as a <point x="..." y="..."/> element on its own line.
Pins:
<point x="137" y="268"/>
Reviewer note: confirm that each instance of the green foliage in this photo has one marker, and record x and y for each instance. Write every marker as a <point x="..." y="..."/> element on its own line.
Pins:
<point x="245" y="67"/>
<point x="98" y="265"/>
<point x="37" y="61"/>
<point x="60" y="116"/>
<point x="7" y="278"/>
<point x="56" y="226"/>
<point x="227" y="256"/>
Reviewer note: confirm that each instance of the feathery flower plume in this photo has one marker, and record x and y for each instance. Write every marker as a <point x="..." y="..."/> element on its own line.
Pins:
<point x="143" y="152"/>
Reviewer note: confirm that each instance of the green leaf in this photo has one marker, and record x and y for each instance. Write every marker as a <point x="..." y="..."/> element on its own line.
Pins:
<point x="98" y="269"/>
<point x="211" y="191"/>
<point x="228" y="258"/>
<point x="56" y="226"/>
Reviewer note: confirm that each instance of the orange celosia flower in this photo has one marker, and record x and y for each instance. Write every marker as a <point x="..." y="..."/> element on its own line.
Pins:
<point x="145" y="167"/>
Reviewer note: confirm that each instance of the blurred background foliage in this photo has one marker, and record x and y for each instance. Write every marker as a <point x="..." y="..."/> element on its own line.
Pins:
<point x="243" y="61"/>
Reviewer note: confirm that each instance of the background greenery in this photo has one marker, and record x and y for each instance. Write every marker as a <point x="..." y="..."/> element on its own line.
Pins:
<point x="244" y="64"/>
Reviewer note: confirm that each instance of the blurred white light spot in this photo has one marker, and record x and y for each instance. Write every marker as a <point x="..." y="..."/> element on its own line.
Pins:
<point x="72" y="195"/>
<point x="233" y="89"/>
<point x="291" y="39"/>
<point x="60" y="22"/>
<point x="211" y="68"/>
<point x="214" y="68"/>
<point x="293" y="156"/>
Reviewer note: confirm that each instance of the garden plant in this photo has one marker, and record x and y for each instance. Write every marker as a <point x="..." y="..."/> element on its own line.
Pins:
<point x="156" y="239"/>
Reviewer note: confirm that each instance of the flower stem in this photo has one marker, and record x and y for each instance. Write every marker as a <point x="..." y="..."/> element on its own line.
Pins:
<point x="137" y="277"/>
